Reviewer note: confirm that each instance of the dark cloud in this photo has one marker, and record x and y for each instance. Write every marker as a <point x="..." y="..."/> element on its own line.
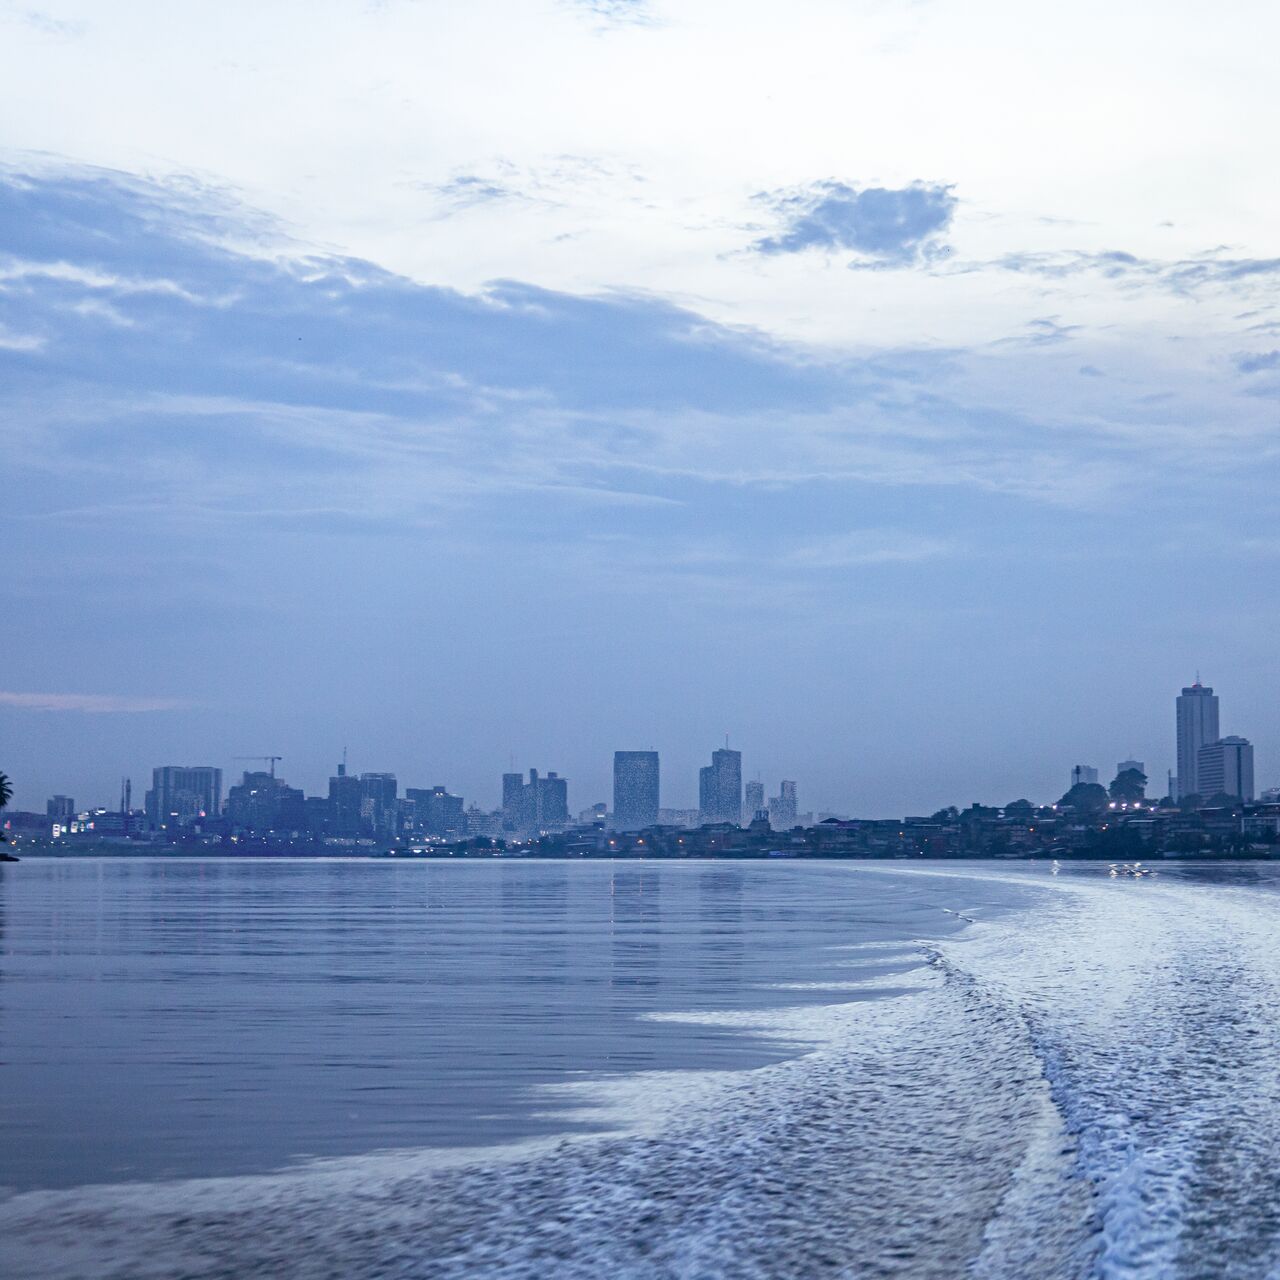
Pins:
<point x="887" y="227"/>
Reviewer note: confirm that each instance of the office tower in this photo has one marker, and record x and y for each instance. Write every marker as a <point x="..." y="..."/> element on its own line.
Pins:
<point x="1136" y="765"/>
<point x="344" y="804"/>
<point x="181" y="794"/>
<point x="437" y="812"/>
<point x="512" y="800"/>
<point x="635" y="790"/>
<point x="262" y="802"/>
<point x="543" y="806"/>
<point x="1225" y="767"/>
<point x="378" y="802"/>
<point x="1083" y="773"/>
<point x="720" y="788"/>
<point x="61" y="808"/>
<point x="782" y="807"/>
<point x="754" y="801"/>
<point x="1197" y="727"/>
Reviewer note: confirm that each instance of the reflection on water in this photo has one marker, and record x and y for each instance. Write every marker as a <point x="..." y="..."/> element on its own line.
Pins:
<point x="178" y="1017"/>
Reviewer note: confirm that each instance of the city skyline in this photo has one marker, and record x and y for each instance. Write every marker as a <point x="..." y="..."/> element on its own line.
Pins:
<point x="723" y="792"/>
<point x="485" y="419"/>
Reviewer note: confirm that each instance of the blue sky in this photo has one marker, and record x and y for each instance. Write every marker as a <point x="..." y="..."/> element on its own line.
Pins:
<point x="865" y="381"/>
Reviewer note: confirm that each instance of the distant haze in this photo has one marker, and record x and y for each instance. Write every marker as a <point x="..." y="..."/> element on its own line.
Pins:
<point x="511" y="383"/>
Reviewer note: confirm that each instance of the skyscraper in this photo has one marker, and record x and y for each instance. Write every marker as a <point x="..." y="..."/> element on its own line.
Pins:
<point x="181" y="793"/>
<point x="512" y="801"/>
<point x="782" y="807"/>
<point x="378" y="802"/>
<point x="635" y="790"/>
<point x="1197" y="727"/>
<point x="344" y="818"/>
<point x="755" y="799"/>
<point x="720" y="787"/>
<point x="1225" y="767"/>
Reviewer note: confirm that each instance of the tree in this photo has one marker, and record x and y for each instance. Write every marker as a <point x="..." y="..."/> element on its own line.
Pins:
<point x="1129" y="785"/>
<point x="6" y="794"/>
<point x="1019" y="807"/>
<point x="949" y="814"/>
<point x="1088" y="797"/>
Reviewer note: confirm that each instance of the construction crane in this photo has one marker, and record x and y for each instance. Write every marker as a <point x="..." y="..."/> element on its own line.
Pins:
<point x="272" y="760"/>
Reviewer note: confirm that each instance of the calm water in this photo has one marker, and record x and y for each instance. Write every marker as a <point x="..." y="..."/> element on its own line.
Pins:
<point x="170" y="1018"/>
<point x="346" y="1069"/>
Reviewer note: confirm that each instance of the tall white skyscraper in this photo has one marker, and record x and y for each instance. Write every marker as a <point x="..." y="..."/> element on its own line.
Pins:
<point x="1197" y="727"/>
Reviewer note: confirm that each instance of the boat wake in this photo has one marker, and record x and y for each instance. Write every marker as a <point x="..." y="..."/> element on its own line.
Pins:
<point x="1087" y="1086"/>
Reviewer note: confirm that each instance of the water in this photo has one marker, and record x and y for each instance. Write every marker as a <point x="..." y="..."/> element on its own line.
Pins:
<point x="220" y="1068"/>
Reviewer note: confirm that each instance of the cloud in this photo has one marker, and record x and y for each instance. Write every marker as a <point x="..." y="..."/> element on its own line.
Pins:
<point x="466" y="190"/>
<point x="92" y="703"/>
<point x="1182" y="275"/>
<point x="886" y="227"/>
<point x="617" y="13"/>
<point x="866" y="547"/>
<point x="1258" y="362"/>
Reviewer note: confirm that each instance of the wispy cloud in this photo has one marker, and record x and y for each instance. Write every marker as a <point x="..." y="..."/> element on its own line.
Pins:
<point x="92" y="703"/>
<point x="1182" y="275"/>
<point x="886" y="227"/>
<point x="616" y="13"/>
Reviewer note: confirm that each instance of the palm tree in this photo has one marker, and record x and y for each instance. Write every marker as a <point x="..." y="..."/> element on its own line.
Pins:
<point x="6" y="790"/>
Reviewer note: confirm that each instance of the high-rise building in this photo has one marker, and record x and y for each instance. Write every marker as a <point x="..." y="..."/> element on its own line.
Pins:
<point x="61" y="808"/>
<point x="1083" y="773"/>
<point x="378" y="802"/>
<point x="1197" y="727"/>
<point x="720" y="788"/>
<point x="437" y="812"/>
<point x="182" y="794"/>
<point x="540" y="806"/>
<point x="754" y="801"/>
<point x="512" y="800"/>
<point x="635" y="790"/>
<point x="1136" y="765"/>
<point x="344" y="817"/>
<point x="782" y="807"/>
<point x="262" y="802"/>
<point x="1225" y="767"/>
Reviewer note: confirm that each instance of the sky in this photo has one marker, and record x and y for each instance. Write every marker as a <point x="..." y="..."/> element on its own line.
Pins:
<point x="889" y="385"/>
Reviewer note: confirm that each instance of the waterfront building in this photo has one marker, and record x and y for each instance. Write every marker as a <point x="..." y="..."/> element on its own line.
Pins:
<point x="1225" y="767"/>
<point x="61" y="808"/>
<point x="782" y="807"/>
<point x="512" y="800"/>
<point x="720" y="788"/>
<point x="437" y="813"/>
<point x="344" y="804"/>
<point x="635" y="790"/>
<point x="181" y="794"/>
<point x="541" y="805"/>
<point x="378" y="805"/>
<point x="754" y="801"/>
<point x="686" y="818"/>
<point x="263" y="802"/>
<point x="1197" y="722"/>
<point x="480" y="823"/>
